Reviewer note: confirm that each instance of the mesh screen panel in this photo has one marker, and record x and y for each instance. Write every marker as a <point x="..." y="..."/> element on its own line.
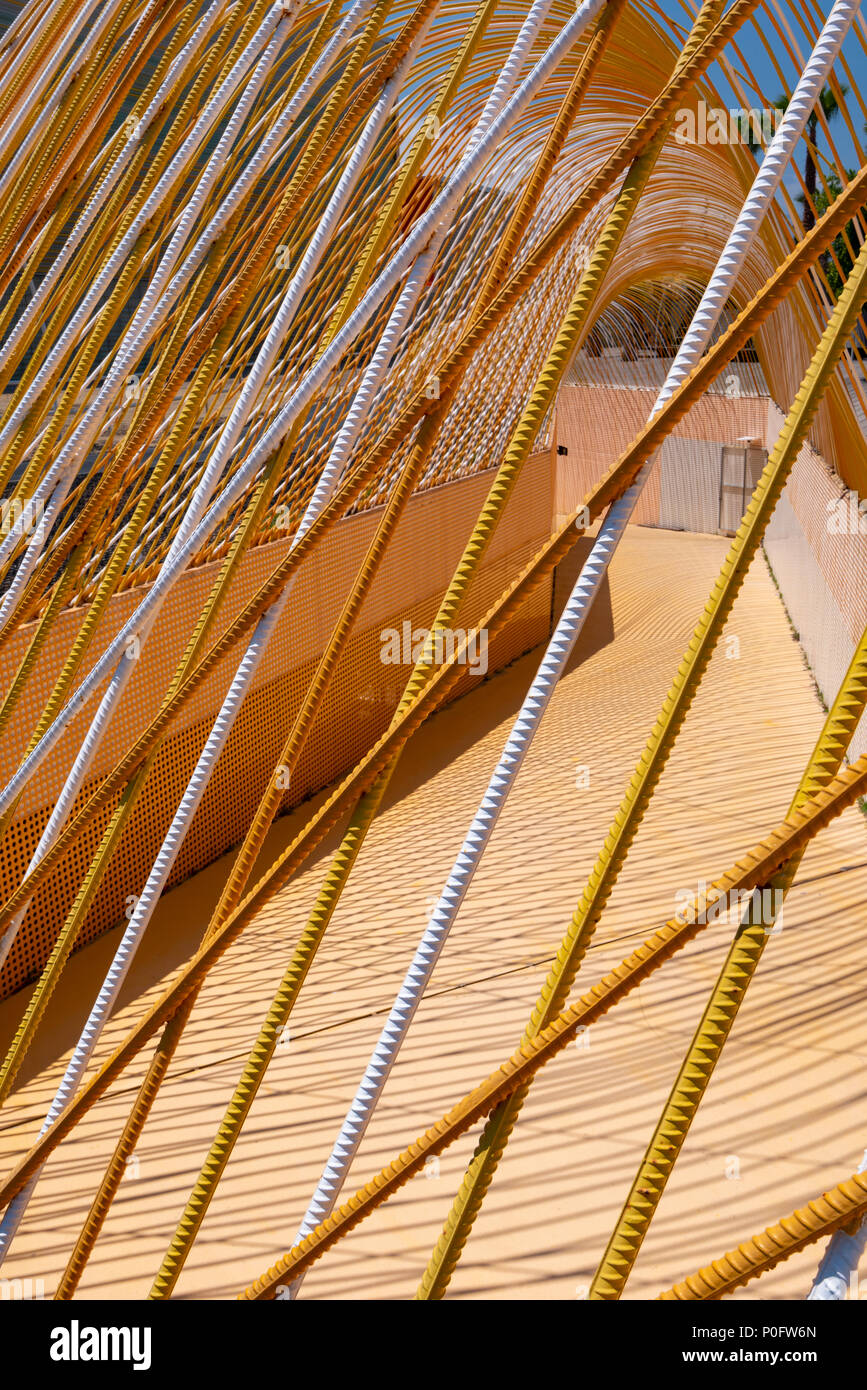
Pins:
<point x="357" y="707"/>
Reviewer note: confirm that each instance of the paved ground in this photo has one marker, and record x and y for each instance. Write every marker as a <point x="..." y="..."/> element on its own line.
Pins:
<point x="786" y="1115"/>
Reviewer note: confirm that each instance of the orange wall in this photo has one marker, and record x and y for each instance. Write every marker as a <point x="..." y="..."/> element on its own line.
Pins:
<point x="415" y="571"/>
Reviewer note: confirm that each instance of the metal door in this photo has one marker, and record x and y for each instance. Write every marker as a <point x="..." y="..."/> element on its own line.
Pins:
<point x="740" y="469"/>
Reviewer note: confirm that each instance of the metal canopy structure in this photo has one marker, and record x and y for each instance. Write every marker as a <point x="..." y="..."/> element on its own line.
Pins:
<point x="267" y="268"/>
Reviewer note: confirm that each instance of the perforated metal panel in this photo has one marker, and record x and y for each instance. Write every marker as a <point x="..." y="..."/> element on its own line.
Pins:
<point x="817" y="548"/>
<point x="357" y="707"/>
<point x="688" y="485"/>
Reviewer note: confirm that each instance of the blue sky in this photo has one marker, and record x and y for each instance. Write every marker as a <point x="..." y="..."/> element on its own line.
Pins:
<point x="767" y="78"/>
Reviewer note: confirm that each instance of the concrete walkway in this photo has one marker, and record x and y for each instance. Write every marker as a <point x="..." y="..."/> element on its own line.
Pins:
<point x="786" y="1115"/>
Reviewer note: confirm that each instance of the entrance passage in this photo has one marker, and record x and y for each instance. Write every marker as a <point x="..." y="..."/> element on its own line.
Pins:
<point x="740" y="469"/>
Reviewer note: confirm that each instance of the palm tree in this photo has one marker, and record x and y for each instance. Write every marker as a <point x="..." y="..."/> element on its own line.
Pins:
<point x="843" y="241"/>
<point x="830" y="109"/>
<point x="747" y="129"/>
<point x="845" y="245"/>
